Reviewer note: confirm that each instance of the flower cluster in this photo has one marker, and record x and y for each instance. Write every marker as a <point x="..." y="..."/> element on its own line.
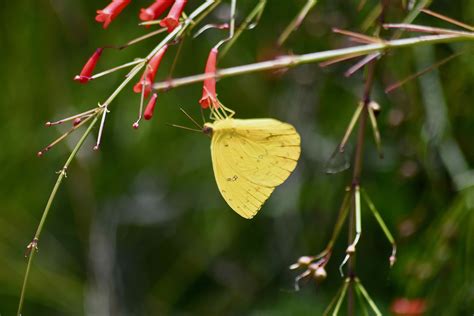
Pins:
<point x="151" y="65"/>
<point x="152" y="12"/>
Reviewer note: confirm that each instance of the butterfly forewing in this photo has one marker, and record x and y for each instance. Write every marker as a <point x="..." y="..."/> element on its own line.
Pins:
<point x="250" y="158"/>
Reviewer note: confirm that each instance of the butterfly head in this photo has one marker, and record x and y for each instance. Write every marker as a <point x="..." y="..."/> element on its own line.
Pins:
<point x="207" y="128"/>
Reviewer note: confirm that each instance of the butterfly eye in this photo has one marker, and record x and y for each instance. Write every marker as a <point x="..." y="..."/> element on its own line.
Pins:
<point x="207" y="130"/>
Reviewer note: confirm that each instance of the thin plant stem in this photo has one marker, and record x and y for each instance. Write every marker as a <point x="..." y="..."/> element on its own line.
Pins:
<point x="341" y="297"/>
<point x="294" y="60"/>
<point x="253" y="15"/>
<point x="367" y="297"/>
<point x="449" y="20"/>
<point x="361" y="300"/>
<point x="382" y="225"/>
<point x="421" y="72"/>
<point x="340" y="220"/>
<point x="144" y="37"/>
<point x="411" y="16"/>
<point x="350" y="127"/>
<point x="108" y="71"/>
<point x="333" y="301"/>
<point x="62" y="175"/>
<point x="296" y="22"/>
<point x="375" y="130"/>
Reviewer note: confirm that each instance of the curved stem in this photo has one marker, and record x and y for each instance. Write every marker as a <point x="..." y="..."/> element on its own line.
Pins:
<point x="32" y="247"/>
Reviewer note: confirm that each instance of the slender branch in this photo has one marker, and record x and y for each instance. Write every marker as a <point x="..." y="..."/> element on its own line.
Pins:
<point x="290" y="61"/>
<point x="296" y="22"/>
<point x="253" y="15"/>
<point x="33" y="246"/>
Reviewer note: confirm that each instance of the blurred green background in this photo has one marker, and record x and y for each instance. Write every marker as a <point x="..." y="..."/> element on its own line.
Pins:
<point x="139" y="228"/>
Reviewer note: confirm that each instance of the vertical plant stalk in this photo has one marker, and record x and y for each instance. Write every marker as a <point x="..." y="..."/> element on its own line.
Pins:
<point x="356" y="183"/>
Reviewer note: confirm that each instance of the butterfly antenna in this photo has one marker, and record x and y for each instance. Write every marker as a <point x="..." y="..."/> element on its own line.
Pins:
<point x="189" y="117"/>
<point x="185" y="127"/>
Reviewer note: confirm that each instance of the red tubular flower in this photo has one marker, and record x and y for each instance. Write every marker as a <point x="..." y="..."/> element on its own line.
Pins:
<point x="155" y="10"/>
<point x="408" y="307"/>
<point x="172" y="19"/>
<point x="150" y="72"/>
<point x="150" y="107"/>
<point x="209" y="96"/>
<point x="88" y="68"/>
<point x="110" y="12"/>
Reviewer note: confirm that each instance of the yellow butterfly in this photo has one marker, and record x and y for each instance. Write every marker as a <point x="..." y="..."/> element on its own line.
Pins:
<point x="251" y="157"/>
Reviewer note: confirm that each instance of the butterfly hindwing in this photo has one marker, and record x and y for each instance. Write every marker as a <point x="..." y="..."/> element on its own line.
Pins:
<point x="250" y="158"/>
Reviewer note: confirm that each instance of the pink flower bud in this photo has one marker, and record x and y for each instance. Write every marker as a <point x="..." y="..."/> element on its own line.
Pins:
<point x="86" y="72"/>
<point x="209" y="96"/>
<point x="172" y="19"/>
<point x="150" y="108"/>
<point x="110" y="12"/>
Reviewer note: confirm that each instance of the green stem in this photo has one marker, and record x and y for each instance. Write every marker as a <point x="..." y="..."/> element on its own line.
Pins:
<point x="367" y="297"/>
<point x="33" y="245"/>
<point x="296" y="22"/>
<point x="290" y="61"/>
<point x="256" y="12"/>
<point x="340" y="220"/>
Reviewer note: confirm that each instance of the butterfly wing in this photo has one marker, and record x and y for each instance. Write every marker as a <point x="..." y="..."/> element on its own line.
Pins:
<point x="250" y="158"/>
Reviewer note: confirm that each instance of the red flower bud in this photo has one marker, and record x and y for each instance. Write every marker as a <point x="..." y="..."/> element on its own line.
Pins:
<point x="150" y="72"/>
<point x="110" y="12"/>
<point x="209" y="96"/>
<point x="150" y="107"/>
<point x="172" y="19"/>
<point x="155" y="10"/>
<point x="88" y="68"/>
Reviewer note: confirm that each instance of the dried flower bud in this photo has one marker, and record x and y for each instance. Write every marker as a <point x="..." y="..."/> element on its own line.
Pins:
<point x="375" y="107"/>
<point x="351" y="250"/>
<point x="320" y="274"/>
<point x="86" y="72"/>
<point x="314" y="266"/>
<point x="392" y="260"/>
<point x="110" y="12"/>
<point x="305" y="260"/>
<point x="172" y="19"/>
<point x="76" y="121"/>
